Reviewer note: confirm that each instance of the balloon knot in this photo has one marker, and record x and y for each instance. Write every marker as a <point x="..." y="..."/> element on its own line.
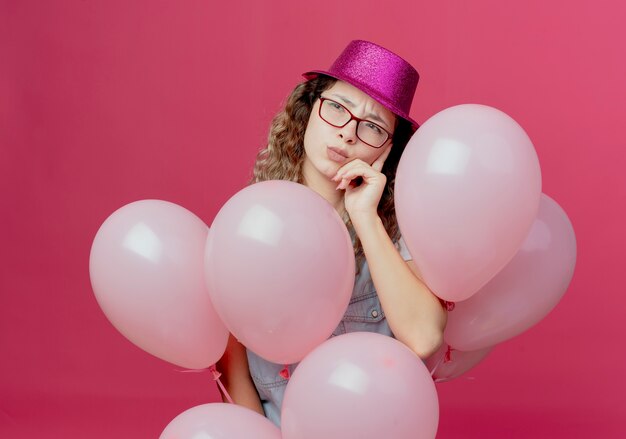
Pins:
<point x="216" y="374"/>
<point x="449" y="305"/>
<point x="285" y="372"/>
<point x="448" y="356"/>
<point x="216" y="378"/>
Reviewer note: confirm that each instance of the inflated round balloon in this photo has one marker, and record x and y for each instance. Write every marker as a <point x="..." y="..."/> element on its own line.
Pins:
<point x="147" y="274"/>
<point x="466" y="193"/>
<point x="280" y="269"/>
<point x="360" y="385"/>
<point x="525" y="291"/>
<point x="447" y="365"/>
<point x="220" y="421"/>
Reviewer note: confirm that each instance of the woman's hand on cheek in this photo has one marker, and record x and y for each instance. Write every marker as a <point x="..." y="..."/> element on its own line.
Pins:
<point x="364" y="198"/>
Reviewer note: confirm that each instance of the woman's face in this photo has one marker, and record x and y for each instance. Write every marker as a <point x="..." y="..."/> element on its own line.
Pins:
<point x="321" y="138"/>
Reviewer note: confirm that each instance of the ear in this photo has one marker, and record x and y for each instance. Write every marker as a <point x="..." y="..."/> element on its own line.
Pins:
<point x="380" y="161"/>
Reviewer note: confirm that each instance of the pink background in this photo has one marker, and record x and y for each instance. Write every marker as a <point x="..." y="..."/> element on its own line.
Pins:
<point x="104" y="103"/>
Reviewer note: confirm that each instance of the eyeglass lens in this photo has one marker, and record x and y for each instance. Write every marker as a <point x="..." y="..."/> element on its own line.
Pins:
<point x="337" y="115"/>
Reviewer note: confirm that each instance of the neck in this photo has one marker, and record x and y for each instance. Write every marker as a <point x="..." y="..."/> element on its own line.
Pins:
<point x="325" y="187"/>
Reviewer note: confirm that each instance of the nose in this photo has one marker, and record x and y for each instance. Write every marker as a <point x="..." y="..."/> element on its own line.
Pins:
<point x="348" y="132"/>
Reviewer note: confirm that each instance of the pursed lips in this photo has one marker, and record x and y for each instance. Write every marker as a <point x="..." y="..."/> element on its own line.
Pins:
<point x="338" y="151"/>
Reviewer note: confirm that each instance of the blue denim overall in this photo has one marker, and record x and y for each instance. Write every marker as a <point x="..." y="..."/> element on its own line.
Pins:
<point x="364" y="313"/>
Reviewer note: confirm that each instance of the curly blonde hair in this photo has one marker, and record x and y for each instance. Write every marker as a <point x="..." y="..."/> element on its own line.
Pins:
<point x="283" y="156"/>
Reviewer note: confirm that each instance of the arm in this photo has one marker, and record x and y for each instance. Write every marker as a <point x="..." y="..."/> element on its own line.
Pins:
<point x="236" y="377"/>
<point x="413" y="312"/>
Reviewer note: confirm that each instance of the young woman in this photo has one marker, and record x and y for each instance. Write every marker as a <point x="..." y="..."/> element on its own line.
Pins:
<point x="342" y="133"/>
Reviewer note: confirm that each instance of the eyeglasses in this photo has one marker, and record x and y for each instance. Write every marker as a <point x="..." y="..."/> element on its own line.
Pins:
<point x="335" y="114"/>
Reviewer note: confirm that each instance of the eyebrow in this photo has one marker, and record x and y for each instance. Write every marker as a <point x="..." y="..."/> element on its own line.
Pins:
<point x="368" y="116"/>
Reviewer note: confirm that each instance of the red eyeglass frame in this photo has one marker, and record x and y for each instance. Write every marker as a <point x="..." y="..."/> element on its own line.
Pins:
<point x="352" y="117"/>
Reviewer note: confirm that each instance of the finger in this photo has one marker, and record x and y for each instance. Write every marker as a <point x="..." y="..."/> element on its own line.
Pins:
<point x="345" y="182"/>
<point x="380" y="161"/>
<point x="356" y="171"/>
<point x="364" y="171"/>
<point x="348" y="166"/>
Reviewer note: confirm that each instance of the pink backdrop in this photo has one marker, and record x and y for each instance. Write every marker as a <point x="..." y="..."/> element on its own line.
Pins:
<point x="104" y="103"/>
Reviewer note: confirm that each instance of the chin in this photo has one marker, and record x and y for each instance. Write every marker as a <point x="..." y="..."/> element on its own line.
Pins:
<point x="331" y="169"/>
